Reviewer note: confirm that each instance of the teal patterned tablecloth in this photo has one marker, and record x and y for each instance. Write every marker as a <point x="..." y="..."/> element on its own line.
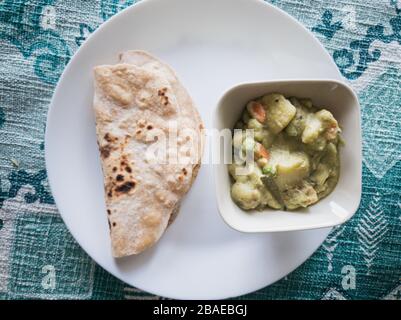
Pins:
<point x="40" y="259"/>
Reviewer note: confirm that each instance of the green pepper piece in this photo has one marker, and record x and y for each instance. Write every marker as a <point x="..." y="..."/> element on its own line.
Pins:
<point x="271" y="185"/>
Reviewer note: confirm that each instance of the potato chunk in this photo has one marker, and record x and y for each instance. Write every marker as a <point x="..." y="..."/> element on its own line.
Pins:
<point x="246" y="195"/>
<point x="320" y="127"/>
<point x="330" y="124"/>
<point x="279" y="111"/>
<point x="302" y="195"/>
<point x="297" y="124"/>
<point x="313" y="128"/>
<point x="291" y="167"/>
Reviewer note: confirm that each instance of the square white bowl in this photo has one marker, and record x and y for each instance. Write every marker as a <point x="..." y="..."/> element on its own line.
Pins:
<point x="337" y="207"/>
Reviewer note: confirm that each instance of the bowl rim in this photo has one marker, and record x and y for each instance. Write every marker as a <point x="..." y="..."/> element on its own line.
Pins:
<point x="291" y="81"/>
<point x="358" y="132"/>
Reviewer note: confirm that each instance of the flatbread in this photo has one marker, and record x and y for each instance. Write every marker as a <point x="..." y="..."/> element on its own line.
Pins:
<point x="144" y="59"/>
<point x="135" y="108"/>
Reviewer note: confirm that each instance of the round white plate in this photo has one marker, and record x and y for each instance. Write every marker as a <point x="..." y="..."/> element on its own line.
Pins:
<point x="212" y="45"/>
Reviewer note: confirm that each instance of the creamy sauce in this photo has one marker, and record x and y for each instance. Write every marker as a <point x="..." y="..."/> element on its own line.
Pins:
<point x="294" y="154"/>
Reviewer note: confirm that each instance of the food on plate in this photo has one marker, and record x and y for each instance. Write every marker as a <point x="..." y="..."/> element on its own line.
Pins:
<point x="285" y="154"/>
<point x="150" y="139"/>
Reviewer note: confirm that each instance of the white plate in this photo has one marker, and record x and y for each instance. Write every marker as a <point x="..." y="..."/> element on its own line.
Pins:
<point x="212" y="45"/>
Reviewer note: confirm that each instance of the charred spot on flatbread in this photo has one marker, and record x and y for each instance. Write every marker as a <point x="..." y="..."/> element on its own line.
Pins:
<point x="110" y="138"/>
<point x="125" y="187"/>
<point x="105" y="151"/>
<point x="162" y="94"/>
